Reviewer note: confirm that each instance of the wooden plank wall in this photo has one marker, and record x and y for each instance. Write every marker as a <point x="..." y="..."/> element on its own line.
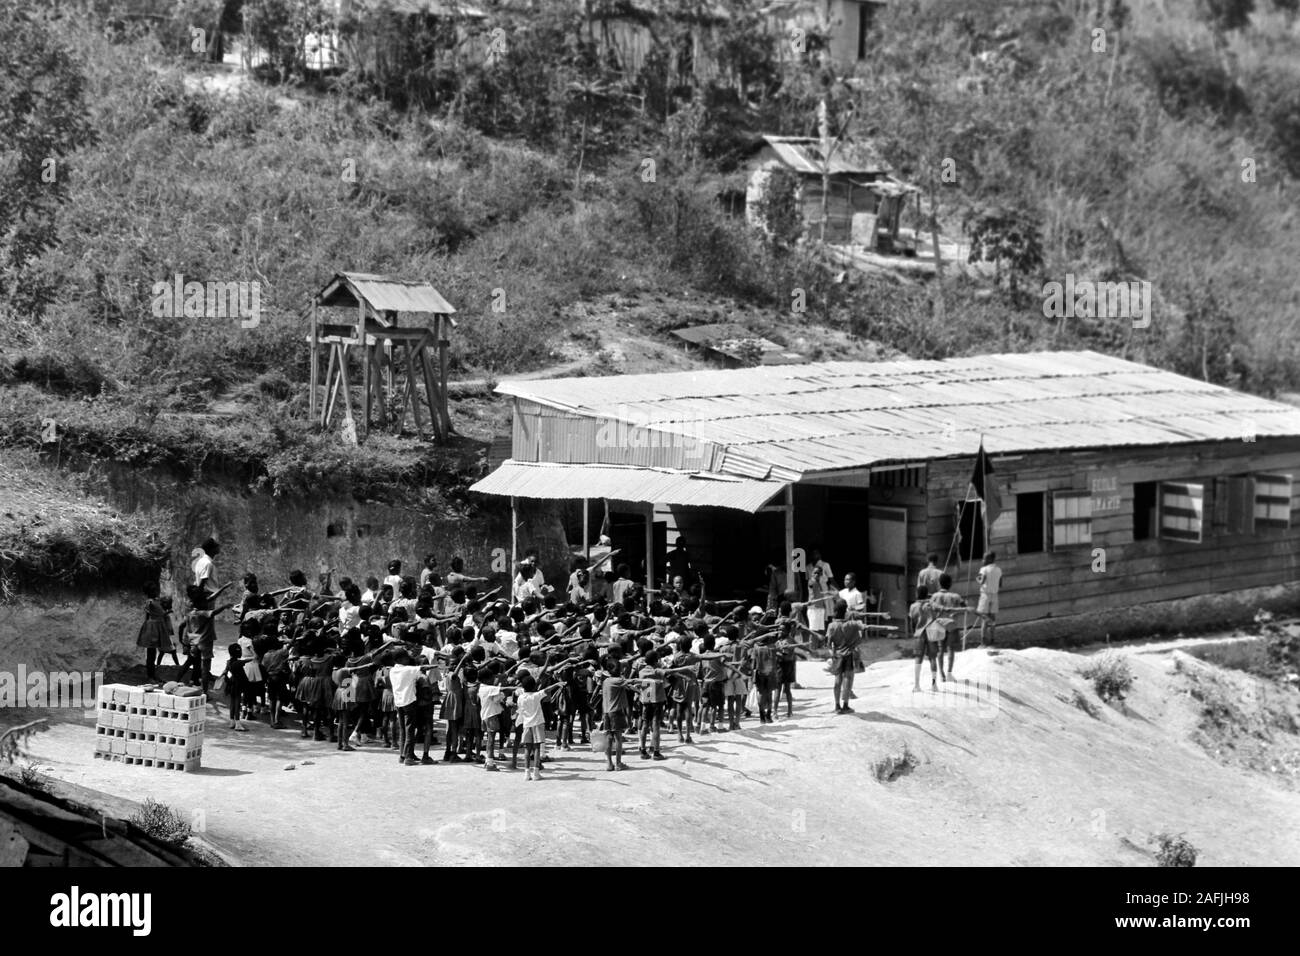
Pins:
<point x="1059" y="583"/>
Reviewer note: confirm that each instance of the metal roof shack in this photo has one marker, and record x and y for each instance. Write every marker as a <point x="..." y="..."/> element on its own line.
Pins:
<point x="387" y="352"/>
<point x="789" y="422"/>
<point x="804" y="155"/>
<point x="1187" y="488"/>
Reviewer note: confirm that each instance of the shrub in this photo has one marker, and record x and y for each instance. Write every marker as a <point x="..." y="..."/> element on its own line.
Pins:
<point x="162" y="823"/>
<point x="31" y="776"/>
<point x="1110" y="676"/>
<point x="1174" y="850"/>
<point x="60" y="373"/>
<point x="1188" y="81"/>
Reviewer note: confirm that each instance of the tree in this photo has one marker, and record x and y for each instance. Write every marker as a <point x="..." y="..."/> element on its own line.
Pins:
<point x="1226" y="15"/>
<point x="1007" y="237"/>
<point x="42" y="120"/>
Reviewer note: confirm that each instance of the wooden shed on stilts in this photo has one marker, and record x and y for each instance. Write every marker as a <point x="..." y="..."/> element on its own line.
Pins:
<point x="407" y="363"/>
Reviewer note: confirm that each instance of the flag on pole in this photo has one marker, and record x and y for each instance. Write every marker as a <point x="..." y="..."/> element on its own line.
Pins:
<point x="984" y="488"/>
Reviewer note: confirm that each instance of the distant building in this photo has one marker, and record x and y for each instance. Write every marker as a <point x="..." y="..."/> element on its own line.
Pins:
<point x="847" y="24"/>
<point x="1133" y="500"/>
<point x="863" y="202"/>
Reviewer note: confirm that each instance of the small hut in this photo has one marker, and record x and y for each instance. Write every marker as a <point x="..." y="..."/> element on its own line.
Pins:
<point x="406" y="363"/>
<point x="863" y="201"/>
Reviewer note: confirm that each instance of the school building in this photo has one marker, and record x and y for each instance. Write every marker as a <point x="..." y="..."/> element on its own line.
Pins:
<point x="1132" y="499"/>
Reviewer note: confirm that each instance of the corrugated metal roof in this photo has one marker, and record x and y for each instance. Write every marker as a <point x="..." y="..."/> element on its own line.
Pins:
<point x="384" y="293"/>
<point x="786" y="421"/>
<point x="804" y="155"/>
<point x="649" y="485"/>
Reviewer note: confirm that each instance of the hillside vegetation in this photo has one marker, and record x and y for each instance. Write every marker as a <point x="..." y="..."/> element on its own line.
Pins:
<point x="1171" y="156"/>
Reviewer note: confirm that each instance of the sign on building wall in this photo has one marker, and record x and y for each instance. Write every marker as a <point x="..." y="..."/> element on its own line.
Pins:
<point x="1105" y="494"/>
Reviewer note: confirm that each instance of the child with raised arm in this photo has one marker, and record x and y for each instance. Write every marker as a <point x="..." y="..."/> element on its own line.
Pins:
<point x="533" y="721"/>
<point x="492" y="710"/>
<point x="614" y="704"/>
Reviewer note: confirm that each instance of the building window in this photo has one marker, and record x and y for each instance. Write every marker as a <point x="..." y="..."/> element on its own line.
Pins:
<point x="1071" y="519"/>
<point x="1272" y="501"/>
<point x="1030" y="530"/>
<point x="1234" y="504"/>
<point x="1182" y="510"/>
<point x="866" y="21"/>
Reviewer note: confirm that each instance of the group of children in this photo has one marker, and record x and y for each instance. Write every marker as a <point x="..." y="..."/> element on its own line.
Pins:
<point x="385" y="665"/>
<point x="938" y="615"/>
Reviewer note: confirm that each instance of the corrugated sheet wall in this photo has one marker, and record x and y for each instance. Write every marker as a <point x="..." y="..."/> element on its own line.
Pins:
<point x="547" y="434"/>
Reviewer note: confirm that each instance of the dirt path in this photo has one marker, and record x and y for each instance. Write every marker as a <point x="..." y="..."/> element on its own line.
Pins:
<point x="1023" y="777"/>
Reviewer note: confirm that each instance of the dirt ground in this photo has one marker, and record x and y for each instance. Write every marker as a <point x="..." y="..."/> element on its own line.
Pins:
<point x="1007" y="768"/>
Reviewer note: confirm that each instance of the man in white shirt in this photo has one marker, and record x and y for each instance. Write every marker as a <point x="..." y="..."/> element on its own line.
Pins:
<point x="821" y="590"/>
<point x="201" y="564"/>
<point x="854" y="599"/>
<point x="528" y="576"/>
<point x="990" y="580"/>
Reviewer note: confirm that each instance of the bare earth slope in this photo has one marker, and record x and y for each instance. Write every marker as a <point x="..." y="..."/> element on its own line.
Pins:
<point x="1026" y="776"/>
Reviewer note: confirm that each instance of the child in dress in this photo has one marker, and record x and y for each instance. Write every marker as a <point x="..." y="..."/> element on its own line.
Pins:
<point x="387" y="709"/>
<point x="156" y="632"/>
<point x="453" y="704"/>
<point x="472" y="728"/>
<point x="532" y="718"/>
<point x="236" y="685"/>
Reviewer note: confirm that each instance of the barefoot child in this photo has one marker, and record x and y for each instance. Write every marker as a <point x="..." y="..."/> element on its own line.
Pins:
<point x="236" y="685"/>
<point x="920" y="617"/>
<point x="453" y="703"/>
<point x="614" y="704"/>
<point x="533" y="720"/>
<point x="492" y="709"/>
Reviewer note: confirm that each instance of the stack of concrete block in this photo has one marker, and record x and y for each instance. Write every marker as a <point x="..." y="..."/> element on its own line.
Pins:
<point x="146" y="728"/>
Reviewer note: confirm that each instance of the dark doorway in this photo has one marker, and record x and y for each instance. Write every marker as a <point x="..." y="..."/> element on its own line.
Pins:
<point x="845" y="538"/>
<point x="627" y="533"/>
<point x="1144" y="510"/>
<point x="1030" y="522"/>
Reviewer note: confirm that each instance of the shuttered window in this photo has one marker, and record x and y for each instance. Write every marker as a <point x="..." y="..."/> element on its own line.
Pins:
<point x="1182" y="510"/>
<point x="1273" y="501"/>
<point x="1234" y="505"/>
<point x="1071" y="519"/>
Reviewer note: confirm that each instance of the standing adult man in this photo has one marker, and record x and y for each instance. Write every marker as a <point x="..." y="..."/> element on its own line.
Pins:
<point x="990" y="579"/>
<point x="844" y="637"/>
<point x="621" y="585"/>
<point x="679" y="562"/>
<point x="202" y="564"/>
<point x="821" y="590"/>
<point x="929" y="576"/>
<point x="854" y="600"/>
<point x="528" y="574"/>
